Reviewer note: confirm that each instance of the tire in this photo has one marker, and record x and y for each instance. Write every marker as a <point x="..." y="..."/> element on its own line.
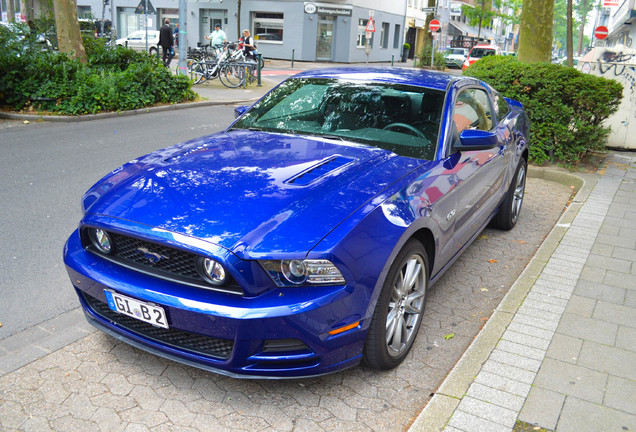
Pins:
<point x="398" y="313"/>
<point x="510" y="208"/>
<point x="232" y="75"/>
<point x="196" y="72"/>
<point x="152" y="51"/>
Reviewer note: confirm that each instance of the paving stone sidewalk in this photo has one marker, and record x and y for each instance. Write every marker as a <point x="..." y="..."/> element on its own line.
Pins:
<point x="564" y="358"/>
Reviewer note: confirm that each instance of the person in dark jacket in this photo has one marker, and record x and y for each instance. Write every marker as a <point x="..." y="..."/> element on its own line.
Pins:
<point x="166" y="40"/>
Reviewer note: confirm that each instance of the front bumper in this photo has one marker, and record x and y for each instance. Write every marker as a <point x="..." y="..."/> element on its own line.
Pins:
<point x="283" y="333"/>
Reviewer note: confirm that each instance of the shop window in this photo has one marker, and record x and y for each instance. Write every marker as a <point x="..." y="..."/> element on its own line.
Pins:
<point x="384" y="35"/>
<point x="268" y="27"/>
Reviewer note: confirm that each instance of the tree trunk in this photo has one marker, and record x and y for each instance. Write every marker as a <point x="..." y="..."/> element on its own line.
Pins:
<point x="69" y="38"/>
<point x="570" y="36"/>
<point x="238" y="20"/>
<point x="10" y="11"/>
<point x="25" y="11"/>
<point x="535" y="34"/>
<point x="581" y="34"/>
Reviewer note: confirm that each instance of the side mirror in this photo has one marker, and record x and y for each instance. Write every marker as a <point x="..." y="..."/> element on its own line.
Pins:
<point x="239" y="110"/>
<point x="475" y="139"/>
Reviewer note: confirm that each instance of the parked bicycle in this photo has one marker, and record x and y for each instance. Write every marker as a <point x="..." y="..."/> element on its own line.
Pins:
<point x="229" y="64"/>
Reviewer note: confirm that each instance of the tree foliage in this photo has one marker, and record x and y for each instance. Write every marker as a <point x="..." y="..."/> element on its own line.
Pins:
<point x="566" y="107"/>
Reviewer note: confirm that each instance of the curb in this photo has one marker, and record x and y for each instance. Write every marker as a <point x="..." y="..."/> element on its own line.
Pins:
<point x="438" y="411"/>
<point x="106" y="115"/>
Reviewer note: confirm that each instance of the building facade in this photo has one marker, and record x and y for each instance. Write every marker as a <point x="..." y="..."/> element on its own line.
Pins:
<point x="332" y="31"/>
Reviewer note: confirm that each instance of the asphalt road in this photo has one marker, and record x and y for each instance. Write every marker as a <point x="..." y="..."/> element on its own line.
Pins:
<point x="45" y="168"/>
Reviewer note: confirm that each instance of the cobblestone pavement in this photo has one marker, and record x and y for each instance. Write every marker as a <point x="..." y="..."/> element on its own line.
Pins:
<point x="559" y="352"/>
<point x="101" y="384"/>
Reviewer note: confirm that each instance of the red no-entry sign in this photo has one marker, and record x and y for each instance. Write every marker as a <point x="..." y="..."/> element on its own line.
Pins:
<point x="434" y="25"/>
<point x="601" y="32"/>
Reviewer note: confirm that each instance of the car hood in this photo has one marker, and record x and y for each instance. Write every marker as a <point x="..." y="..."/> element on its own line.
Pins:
<point x="260" y="195"/>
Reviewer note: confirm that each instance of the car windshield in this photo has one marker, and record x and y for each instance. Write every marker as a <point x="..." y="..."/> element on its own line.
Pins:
<point x="482" y="52"/>
<point x="399" y="118"/>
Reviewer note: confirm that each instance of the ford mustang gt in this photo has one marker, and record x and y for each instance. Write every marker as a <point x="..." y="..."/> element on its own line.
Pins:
<point x="302" y="239"/>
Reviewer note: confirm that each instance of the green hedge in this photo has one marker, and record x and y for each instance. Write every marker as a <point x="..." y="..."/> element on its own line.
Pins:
<point x="114" y="79"/>
<point x="566" y="107"/>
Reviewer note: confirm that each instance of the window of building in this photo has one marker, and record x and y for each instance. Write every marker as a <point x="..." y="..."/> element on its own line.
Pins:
<point x="396" y="37"/>
<point x="362" y="39"/>
<point x="84" y="12"/>
<point x="384" y="35"/>
<point x="268" y="27"/>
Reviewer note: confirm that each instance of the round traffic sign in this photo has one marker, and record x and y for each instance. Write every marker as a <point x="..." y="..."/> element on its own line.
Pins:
<point x="601" y="32"/>
<point x="434" y="25"/>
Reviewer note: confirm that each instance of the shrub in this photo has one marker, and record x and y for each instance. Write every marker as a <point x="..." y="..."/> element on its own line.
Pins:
<point x="566" y="107"/>
<point x="425" y="58"/>
<point x="114" y="79"/>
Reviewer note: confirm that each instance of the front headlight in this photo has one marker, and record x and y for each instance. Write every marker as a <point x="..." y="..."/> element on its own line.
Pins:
<point x="298" y="272"/>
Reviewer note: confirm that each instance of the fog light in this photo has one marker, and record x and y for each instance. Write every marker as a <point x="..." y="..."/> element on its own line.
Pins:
<point x="213" y="271"/>
<point x="101" y="240"/>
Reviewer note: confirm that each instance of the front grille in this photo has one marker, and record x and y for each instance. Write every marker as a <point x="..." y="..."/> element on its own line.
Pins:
<point x="167" y="262"/>
<point x="174" y="261"/>
<point x="192" y="342"/>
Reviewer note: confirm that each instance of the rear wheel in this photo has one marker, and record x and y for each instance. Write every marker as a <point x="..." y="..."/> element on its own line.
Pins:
<point x="510" y="208"/>
<point x="232" y="75"/>
<point x="398" y="313"/>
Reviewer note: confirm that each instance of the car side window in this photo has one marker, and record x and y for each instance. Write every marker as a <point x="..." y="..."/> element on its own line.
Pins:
<point x="472" y="111"/>
<point x="501" y="106"/>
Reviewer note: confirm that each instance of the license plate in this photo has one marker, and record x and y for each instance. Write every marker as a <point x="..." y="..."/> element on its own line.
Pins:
<point x="142" y="311"/>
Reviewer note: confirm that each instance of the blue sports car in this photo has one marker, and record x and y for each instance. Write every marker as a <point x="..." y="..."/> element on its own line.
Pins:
<point x="301" y="240"/>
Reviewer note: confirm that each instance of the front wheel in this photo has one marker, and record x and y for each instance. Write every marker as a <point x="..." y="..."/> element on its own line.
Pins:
<point x="398" y="313"/>
<point x="510" y="208"/>
<point x="152" y="51"/>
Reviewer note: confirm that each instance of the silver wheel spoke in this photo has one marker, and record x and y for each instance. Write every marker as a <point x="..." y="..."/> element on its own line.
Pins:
<point x="400" y="329"/>
<point x="411" y="299"/>
<point x="413" y="269"/>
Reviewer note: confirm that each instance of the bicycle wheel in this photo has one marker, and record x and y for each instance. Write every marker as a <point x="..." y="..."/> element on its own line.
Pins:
<point x="232" y="75"/>
<point x="196" y="72"/>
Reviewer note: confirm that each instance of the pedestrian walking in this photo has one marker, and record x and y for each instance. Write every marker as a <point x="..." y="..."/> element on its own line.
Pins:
<point x="217" y="37"/>
<point x="166" y="40"/>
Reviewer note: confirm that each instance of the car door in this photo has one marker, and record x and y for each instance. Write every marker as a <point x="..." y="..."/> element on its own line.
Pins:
<point x="479" y="174"/>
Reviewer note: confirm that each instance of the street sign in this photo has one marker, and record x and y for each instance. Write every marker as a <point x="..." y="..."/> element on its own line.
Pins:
<point x="141" y="8"/>
<point x="434" y="25"/>
<point x="601" y="32"/>
<point x="428" y="10"/>
<point x="370" y="26"/>
<point x="368" y="35"/>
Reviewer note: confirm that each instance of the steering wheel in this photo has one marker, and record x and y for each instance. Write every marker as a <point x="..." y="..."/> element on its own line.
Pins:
<point x="416" y="132"/>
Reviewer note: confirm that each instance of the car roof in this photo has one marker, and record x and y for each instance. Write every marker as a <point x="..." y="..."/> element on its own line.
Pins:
<point x="416" y="77"/>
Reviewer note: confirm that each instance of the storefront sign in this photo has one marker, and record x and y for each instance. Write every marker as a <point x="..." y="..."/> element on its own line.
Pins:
<point x="325" y="9"/>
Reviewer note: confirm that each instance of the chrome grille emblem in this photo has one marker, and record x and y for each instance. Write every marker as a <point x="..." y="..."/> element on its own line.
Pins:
<point x="153" y="257"/>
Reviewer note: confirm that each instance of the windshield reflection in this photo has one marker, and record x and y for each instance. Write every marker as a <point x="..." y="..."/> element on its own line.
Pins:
<point x="396" y="117"/>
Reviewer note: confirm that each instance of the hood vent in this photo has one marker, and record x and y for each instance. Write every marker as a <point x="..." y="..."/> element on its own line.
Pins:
<point x="321" y="169"/>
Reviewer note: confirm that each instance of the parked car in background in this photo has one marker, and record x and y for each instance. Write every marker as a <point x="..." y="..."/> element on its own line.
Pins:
<point x="455" y="57"/>
<point x="303" y="238"/>
<point x="480" y="51"/>
<point x="137" y="40"/>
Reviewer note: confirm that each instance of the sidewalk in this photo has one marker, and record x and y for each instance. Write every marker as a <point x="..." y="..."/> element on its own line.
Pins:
<point x="560" y="350"/>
